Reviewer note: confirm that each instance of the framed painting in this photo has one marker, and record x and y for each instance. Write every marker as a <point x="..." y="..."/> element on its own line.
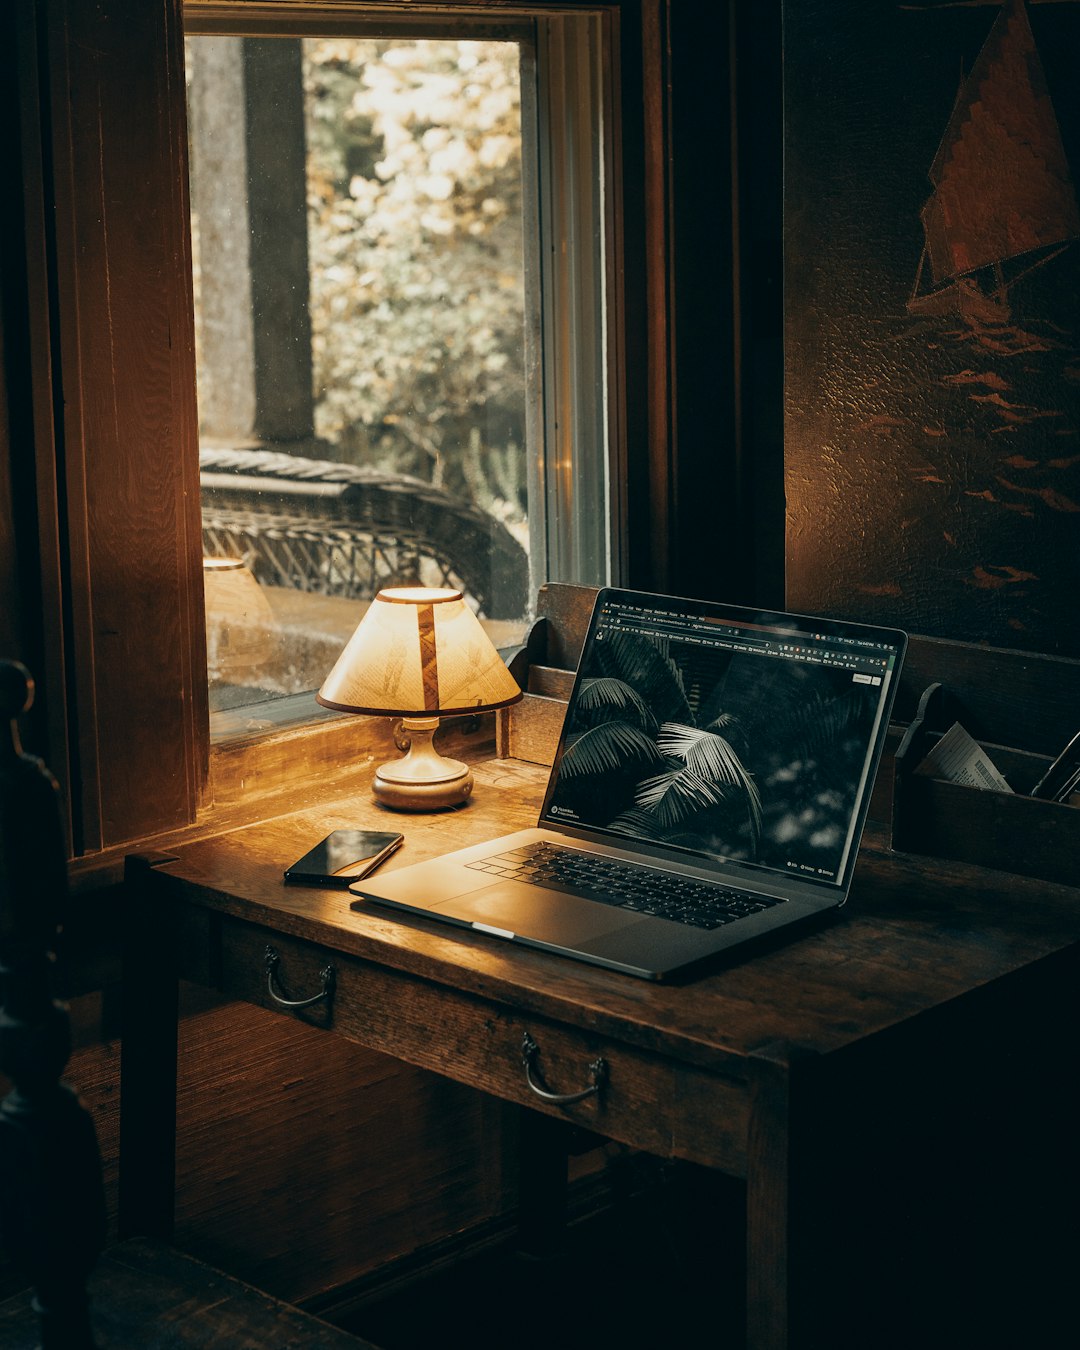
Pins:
<point x="932" y="316"/>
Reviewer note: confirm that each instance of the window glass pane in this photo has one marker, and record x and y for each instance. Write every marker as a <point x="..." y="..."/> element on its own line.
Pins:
<point x="368" y="300"/>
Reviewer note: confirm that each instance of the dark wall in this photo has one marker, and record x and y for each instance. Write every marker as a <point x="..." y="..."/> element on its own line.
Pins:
<point x="726" y="258"/>
<point x="932" y="462"/>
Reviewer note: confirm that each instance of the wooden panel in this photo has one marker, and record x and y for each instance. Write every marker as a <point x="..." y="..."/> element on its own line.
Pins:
<point x="646" y="1102"/>
<point x="29" y="527"/>
<point x="567" y="609"/>
<point x="652" y="520"/>
<point x="1015" y="702"/>
<point x="1004" y="697"/>
<point x="304" y="1161"/>
<point x="551" y="682"/>
<point x="532" y="729"/>
<point x="126" y="356"/>
<point x="992" y="829"/>
<point x="10" y="637"/>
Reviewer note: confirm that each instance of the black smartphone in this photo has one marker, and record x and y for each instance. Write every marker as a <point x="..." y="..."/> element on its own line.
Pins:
<point x="344" y="857"/>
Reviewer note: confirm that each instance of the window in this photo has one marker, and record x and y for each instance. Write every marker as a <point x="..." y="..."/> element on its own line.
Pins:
<point x="400" y="253"/>
<point x="114" y="610"/>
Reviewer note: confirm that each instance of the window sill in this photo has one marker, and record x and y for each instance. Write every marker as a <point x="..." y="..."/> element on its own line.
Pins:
<point x="236" y="726"/>
<point x="271" y="774"/>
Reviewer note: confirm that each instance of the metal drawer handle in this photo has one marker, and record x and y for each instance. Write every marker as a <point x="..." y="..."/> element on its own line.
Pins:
<point x="597" y="1076"/>
<point x="326" y="992"/>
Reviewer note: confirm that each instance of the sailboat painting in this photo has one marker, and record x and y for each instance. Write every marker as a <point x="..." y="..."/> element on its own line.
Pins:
<point x="932" y="316"/>
<point x="1003" y="202"/>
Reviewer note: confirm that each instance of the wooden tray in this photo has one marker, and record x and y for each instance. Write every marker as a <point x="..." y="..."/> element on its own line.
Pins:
<point x="1023" y="708"/>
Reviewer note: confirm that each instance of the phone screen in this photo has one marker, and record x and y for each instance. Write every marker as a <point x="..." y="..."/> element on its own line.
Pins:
<point x="343" y="857"/>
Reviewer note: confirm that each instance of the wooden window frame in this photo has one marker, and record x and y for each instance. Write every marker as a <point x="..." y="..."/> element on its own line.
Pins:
<point x="570" y="178"/>
<point x="122" y="648"/>
<point x="109" y="393"/>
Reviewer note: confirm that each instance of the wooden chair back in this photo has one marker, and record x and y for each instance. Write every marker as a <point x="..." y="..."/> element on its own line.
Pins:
<point x="139" y="1293"/>
<point x="52" y="1206"/>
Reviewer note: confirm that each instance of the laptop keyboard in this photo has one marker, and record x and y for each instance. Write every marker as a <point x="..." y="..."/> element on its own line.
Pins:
<point x="628" y="886"/>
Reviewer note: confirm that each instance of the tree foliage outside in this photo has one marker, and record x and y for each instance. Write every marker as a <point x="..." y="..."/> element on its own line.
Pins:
<point x="411" y="170"/>
<point x="415" y="242"/>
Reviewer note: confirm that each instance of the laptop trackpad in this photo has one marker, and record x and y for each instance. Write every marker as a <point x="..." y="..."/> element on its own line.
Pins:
<point x="546" y="916"/>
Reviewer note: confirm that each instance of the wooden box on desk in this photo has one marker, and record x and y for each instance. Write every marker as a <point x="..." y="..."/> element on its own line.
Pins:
<point x="545" y="666"/>
<point x="1023" y="708"/>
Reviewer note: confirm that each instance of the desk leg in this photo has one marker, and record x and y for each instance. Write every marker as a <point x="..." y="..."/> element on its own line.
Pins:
<point x="796" y="1173"/>
<point x="147" y="1063"/>
<point x="768" y="1217"/>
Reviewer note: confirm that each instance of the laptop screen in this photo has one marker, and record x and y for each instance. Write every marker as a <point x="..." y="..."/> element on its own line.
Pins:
<point x="724" y="733"/>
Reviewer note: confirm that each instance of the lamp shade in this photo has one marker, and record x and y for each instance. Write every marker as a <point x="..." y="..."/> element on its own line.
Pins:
<point x="418" y="652"/>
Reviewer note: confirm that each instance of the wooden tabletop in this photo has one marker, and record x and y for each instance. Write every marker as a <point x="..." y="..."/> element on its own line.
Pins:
<point x="915" y="934"/>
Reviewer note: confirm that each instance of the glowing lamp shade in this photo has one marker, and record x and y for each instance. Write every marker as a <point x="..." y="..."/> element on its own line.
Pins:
<point x="419" y="654"/>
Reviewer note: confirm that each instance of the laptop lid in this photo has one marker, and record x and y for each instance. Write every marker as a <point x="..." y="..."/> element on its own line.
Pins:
<point x="741" y="741"/>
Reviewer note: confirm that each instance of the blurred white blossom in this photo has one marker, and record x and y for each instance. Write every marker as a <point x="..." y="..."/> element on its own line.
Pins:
<point x="415" y="240"/>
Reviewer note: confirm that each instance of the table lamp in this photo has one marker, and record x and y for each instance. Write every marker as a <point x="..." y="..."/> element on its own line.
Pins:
<point x="419" y="654"/>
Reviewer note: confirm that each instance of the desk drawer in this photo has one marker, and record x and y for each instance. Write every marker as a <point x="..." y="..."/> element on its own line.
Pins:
<point x="646" y="1101"/>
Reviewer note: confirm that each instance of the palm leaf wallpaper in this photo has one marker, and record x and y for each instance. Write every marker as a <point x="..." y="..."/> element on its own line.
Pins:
<point x="715" y="751"/>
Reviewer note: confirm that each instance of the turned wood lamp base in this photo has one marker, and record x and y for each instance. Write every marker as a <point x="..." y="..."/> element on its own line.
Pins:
<point x="422" y="780"/>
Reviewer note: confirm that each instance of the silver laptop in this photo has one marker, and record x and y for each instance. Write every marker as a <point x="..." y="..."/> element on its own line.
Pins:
<point x="709" y="790"/>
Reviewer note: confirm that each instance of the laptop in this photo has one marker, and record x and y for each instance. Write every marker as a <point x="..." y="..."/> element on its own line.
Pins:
<point x="709" y="790"/>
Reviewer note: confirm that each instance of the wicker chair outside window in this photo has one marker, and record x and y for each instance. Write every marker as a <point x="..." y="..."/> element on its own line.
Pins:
<point x="335" y="529"/>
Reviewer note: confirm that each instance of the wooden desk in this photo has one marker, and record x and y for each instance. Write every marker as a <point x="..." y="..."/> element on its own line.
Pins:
<point x="893" y="1088"/>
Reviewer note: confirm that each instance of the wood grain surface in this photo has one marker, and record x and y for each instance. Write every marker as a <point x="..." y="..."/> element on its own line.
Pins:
<point x="956" y="926"/>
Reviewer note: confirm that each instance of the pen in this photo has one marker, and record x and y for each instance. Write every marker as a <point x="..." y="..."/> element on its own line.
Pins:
<point x="1070" y="787"/>
<point x="1061" y="774"/>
